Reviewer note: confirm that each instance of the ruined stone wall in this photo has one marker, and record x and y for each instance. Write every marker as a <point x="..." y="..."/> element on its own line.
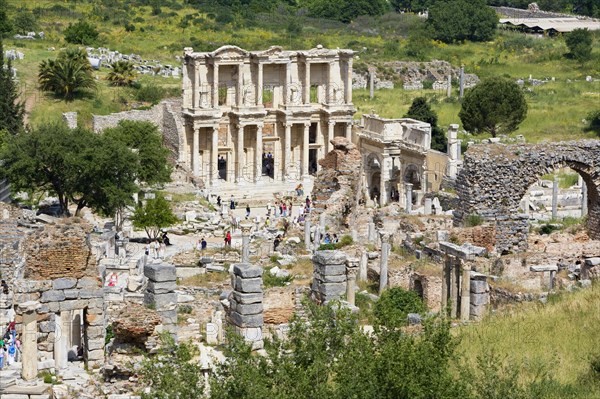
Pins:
<point x="495" y="178"/>
<point x="57" y="251"/>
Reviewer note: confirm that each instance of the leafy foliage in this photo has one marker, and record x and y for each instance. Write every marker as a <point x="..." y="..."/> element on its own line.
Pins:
<point x="459" y="20"/>
<point x="11" y="109"/>
<point x="69" y="75"/>
<point x="24" y="21"/>
<point x="495" y="106"/>
<point x="5" y="24"/>
<point x="421" y="110"/>
<point x="122" y="74"/>
<point x="594" y="122"/>
<point x="144" y="137"/>
<point x="156" y="214"/>
<point x="395" y="304"/>
<point x="174" y="372"/>
<point x="579" y="43"/>
<point x="76" y="165"/>
<point x="345" y="10"/>
<point x="81" y="32"/>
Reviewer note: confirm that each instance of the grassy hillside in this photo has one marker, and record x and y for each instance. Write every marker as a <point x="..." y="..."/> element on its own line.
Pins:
<point x="560" y="338"/>
<point x="556" y="109"/>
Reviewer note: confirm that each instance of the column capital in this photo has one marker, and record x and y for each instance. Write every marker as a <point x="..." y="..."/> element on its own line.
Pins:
<point x="288" y="124"/>
<point x="260" y="126"/>
<point x="385" y="237"/>
<point x="331" y="123"/>
<point x="352" y="263"/>
<point x="240" y="125"/>
<point x="246" y="227"/>
<point x="351" y="272"/>
<point x="307" y="124"/>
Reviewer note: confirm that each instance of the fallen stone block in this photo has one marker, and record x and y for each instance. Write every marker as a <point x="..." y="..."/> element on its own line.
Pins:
<point x="247" y="270"/>
<point x="160" y="272"/>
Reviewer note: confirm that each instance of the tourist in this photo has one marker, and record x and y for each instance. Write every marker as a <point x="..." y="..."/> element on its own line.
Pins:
<point x="276" y="209"/>
<point x="335" y="239"/>
<point x="290" y="209"/>
<point x="166" y="239"/>
<point x="299" y="190"/>
<point x="147" y="250"/>
<point x="199" y="245"/>
<point x="219" y="201"/>
<point x="307" y="204"/>
<point x="231" y="202"/>
<point x="156" y="248"/>
<point x="286" y="226"/>
<point x="283" y="209"/>
<point x="11" y="352"/>
<point x="1" y="354"/>
<point x="327" y="239"/>
<point x="267" y="222"/>
<point x="276" y="242"/>
<point x="228" y="239"/>
<point x="247" y="211"/>
<point x="162" y="249"/>
<point x="301" y="218"/>
<point x="112" y="280"/>
<point x="4" y="287"/>
<point x="203" y="244"/>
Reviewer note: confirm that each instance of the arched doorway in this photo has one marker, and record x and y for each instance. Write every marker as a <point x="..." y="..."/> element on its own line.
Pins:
<point x="373" y="173"/>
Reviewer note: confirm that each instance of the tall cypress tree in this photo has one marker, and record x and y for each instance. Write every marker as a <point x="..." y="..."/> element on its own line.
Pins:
<point x="421" y="110"/>
<point x="11" y="109"/>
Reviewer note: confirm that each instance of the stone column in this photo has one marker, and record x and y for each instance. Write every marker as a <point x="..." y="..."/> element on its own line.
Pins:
<point x="584" y="199"/>
<point x="62" y="322"/>
<point x="330" y="130"/>
<point x="383" y="268"/>
<point x="76" y="328"/>
<point x="453" y="147"/>
<point x="372" y="233"/>
<point x="444" y="303"/>
<point x="349" y="131"/>
<point x="555" y="198"/>
<point x="453" y="288"/>
<point x="408" y="187"/>
<point x="465" y="293"/>
<point x="29" y="358"/>
<point x="239" y="95"/>
<point x="322" y="221"/>
<point x="245" y="227"/>
<point x="259" y="85"/>
<point x="258" y="150"/>
<point x="307" y="234"/>
<point x="371" y="82"/>
<point x="317" y="240"/>
<point x="239" y="178"/>
<point x="462" y="81"/>
<point x="362" y="269"/>
<point x="384" y="182"/>
<point x="287" y="142"/>
<point x="305" y="147"/>
<point x="196" y="152"/>
<point x="246" y="307"/>
<point x="427" y="207"/>
<point x="196" y="96"/>
<point x="214" y="156"/>
<point x="449" y="88"/>
<point x="286" y="84"/>
<point x="351" y="269"/>
<point x="215" y="86"/>
<point x="329" y="277"/>
<point x="307" y="83"/>
<point x="160" y="292"/>
<point x="349" y="82"/>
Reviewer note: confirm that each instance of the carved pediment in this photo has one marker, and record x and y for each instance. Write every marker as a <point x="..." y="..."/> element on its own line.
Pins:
<point x="227" y="52"/>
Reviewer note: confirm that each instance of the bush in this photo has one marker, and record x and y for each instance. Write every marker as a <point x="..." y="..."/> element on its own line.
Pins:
<point x="270" y="280"/>
<point x="327" y="247"/>
<point x="474" y="220"/>
<point x="150" y="93"/>
<point x="345" y="241"/>
<point x="395" y="304"/>
<point x="184" y="309"/>
<point x="593" y="120"/>
<point x="81" y="33"/>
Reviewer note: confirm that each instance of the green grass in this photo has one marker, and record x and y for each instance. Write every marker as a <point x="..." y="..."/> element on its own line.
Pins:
<point x="561" y="335"/>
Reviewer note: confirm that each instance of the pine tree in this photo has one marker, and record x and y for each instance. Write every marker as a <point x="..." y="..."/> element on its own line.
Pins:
<point x="11" y="109"/>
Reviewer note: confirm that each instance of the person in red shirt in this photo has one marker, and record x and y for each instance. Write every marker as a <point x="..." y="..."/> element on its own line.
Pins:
<point x="228" y="239"/>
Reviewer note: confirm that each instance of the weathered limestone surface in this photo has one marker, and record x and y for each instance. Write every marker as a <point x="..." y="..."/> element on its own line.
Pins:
<point x="496" y="177"/>
<point x="329" y="277"/>
<point x="246" y="303"/>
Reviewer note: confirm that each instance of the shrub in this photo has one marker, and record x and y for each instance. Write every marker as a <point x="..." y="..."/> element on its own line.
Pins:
<point x="270" y="280"/>
<point x="344" y="241"/>
<point x="474" y="220"/>
<point x="395" y="304"/>
<point x="327" y="247"/>
<point x="150" y="93"/>
<point x="81" y="33"/>
<point x="184" y="309"/>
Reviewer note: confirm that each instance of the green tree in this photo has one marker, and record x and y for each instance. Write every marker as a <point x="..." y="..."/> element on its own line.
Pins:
<point x="5" y="24"/>
<point x="76" y="165"/>
<point x="145" y="138"/>
<point x="25" y="21"/>
<point x="580" y="43"/>
<point x="395" y="304"/>
<point x="421" y="110"/>
<point x="122" y="73"/>
<point x="67" y="76"/>
<point x="495" y="106"/>
<point x="459" y="20"/>
<point x="156" y="214"/>
<point x="593" y="122"/>
<point x="345" y="10"/>
<point x="11" y="109"/>
<point x="173" y="372"/>
<point x="81" y="32"/>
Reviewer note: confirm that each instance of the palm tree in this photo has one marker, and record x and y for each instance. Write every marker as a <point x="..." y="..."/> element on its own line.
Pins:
<point x="122" y="74"/>
<point x="68" y="75"/>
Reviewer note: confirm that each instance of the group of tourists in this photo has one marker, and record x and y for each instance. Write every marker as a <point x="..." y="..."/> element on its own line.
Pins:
<point x="9" y="346"/>
<point x="158" y="247"/>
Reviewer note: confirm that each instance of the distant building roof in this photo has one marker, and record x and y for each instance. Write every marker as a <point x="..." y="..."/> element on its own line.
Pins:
<point x="561" y="25"/>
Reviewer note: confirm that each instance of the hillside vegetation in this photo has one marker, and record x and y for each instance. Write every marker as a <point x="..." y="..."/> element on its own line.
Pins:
<point x="159" y="30"/>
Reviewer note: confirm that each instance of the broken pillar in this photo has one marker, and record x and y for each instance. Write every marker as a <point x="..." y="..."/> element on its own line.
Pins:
<point x="29" y="351"/>
<point x="246" y="227"/>
<point x="362" y="269"/>
<point x="351" y="270"/>
<point x="329" y="276"/>
<point x="408" y="188"/>
<point x="465" y="292"/>
<point x="428" y="206"/>
<point x="584" y="199"/>
<point x="307" y="234"/>
<point x="383" y="268"/>
<point x="555" y="198"/>
<point x="372" y="233"/>
<point x="480" y="296"/>
<point x="246" y="303"/>
<point x="160" y="292"/>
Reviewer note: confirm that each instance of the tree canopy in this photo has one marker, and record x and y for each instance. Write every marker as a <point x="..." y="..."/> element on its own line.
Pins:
<point x="11" y="109"/>
<point x="421" y="110"/>
<point x="495" y="106"/>
<point x="81" y="32"/>
<point x="144" y="137"/>
<point x="78" y="166"/>
<point x="345" y="10"/>
<point x="579" y="43"/>
<point x="155" y="215"/>
<point x="459" y="20"/>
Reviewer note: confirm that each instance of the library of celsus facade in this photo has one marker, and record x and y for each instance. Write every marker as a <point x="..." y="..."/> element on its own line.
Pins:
<point x="263" y="117"/>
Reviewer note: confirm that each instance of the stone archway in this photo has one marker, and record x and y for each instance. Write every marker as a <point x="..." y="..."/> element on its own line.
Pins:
<point x="495" y="178"/>
<point x="373" y="174"/>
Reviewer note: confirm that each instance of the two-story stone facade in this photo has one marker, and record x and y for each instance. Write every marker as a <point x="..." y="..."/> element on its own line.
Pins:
<point x="263" y="116"/>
